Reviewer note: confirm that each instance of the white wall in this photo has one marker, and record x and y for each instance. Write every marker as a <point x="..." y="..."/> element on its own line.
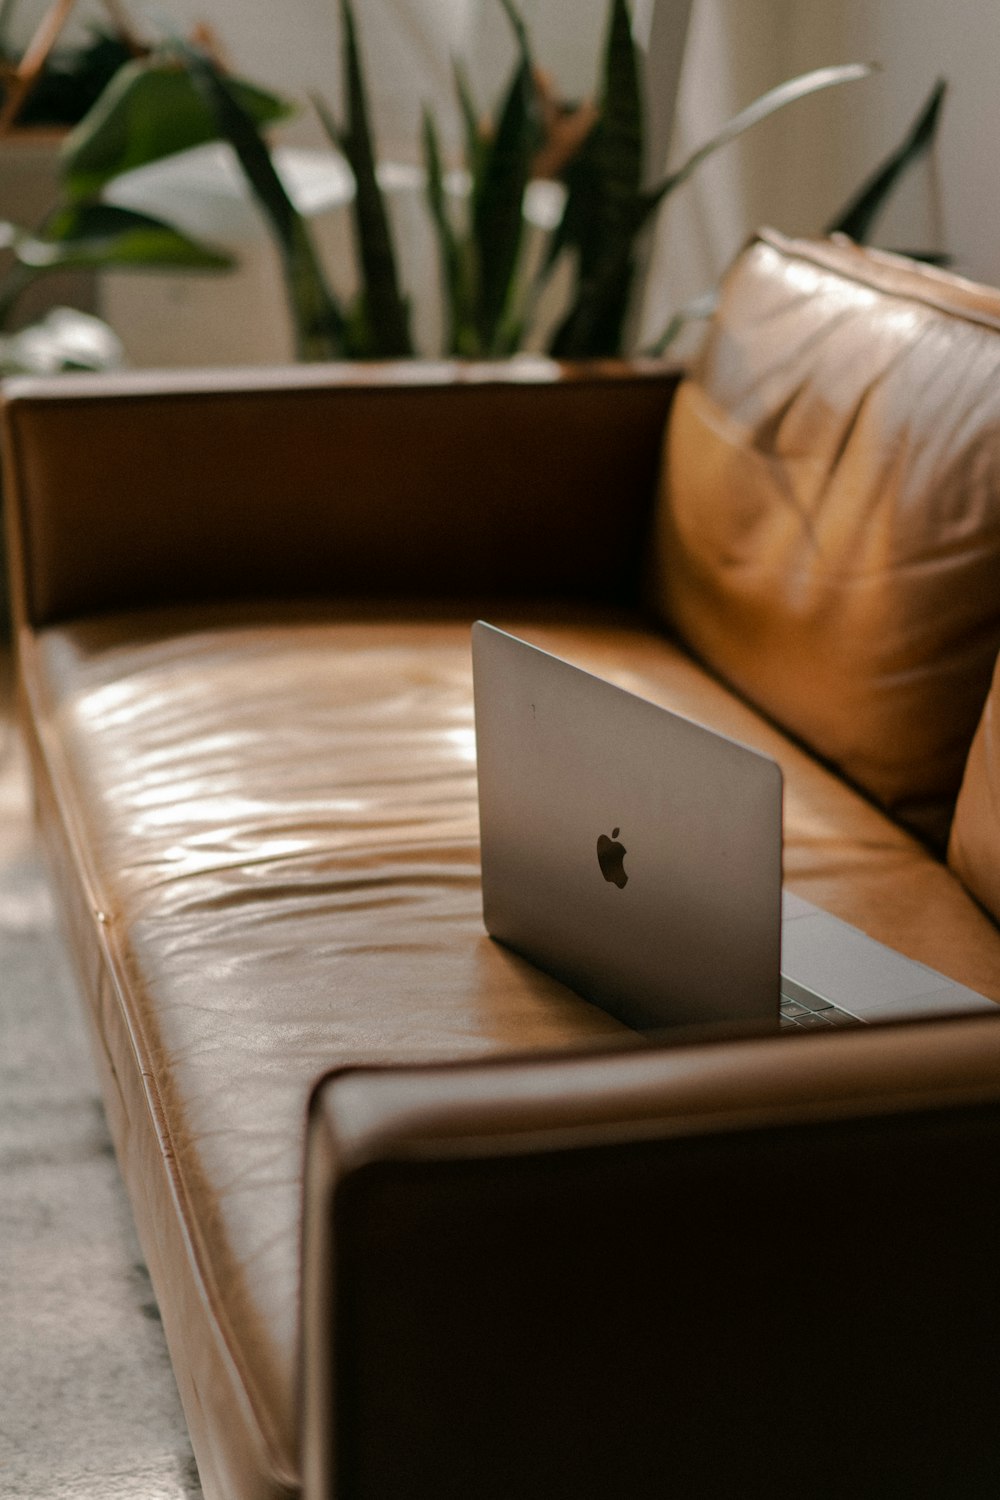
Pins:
<point x="796" y="170"/>
<point x="958" y="199"/>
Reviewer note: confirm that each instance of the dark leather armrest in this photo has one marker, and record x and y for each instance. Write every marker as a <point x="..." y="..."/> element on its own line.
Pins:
<point x="524" y="478"/>
<point x="763" y="1268"/>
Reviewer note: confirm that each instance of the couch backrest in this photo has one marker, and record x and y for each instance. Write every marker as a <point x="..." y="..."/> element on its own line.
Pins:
<point x="829" y="531"/>
<point x="147" y="489"/>
<point x="760" y="1269"/>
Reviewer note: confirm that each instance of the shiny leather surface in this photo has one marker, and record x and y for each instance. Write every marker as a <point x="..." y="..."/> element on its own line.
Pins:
<point x="280" y="840"/>
<point x="274" y="813"/>
<point x="829" y="535"/>
<point x="974" y="848"/>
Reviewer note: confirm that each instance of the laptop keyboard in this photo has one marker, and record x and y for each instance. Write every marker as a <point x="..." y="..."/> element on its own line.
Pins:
<point x="808" y="1011"/>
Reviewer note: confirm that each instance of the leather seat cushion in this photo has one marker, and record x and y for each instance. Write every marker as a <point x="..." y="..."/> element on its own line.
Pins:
<point x="276" y="839"/>
<point x="829" y="532"/>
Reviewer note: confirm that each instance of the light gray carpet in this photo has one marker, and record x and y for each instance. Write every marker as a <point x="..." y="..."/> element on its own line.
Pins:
<point x="88" y="1405"/>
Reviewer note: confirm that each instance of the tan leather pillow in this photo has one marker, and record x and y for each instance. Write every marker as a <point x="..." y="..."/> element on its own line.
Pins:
<point x="974" y="848"/>
<point x="828" y="535"/>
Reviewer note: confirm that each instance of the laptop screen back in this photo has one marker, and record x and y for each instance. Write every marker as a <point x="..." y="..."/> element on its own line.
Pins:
<point x="629" y="852"/>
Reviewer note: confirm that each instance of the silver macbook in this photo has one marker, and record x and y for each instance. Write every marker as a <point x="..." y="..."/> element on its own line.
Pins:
<point x="636" y="856"/>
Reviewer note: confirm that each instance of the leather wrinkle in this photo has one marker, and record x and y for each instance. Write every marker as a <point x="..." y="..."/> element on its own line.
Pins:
<point x="828" y="527"/>
<point x="203" y="969"/>
<point x="179" y="911"/>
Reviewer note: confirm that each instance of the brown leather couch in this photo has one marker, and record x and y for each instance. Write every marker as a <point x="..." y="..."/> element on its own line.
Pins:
<point x="539" y="1256"/>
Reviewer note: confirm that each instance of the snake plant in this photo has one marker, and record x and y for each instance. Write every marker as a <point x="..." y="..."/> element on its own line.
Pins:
<point x="490" y="291"/>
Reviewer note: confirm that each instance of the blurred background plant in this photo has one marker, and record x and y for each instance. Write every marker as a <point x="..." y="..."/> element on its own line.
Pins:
<point x="137" y="106"/>
<point x="48" y="84"/>
<point x="496" y="281"/>
<point x="539" y="228"/>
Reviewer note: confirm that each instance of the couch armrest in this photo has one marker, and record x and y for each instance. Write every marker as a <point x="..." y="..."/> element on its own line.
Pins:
<point x="725" y="1270"/>
<point x="520" y="478"/>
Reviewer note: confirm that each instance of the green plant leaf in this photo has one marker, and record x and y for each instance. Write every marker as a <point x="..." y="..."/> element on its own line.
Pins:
<point x="457" y="268"/>
<point x="605" y="175"/>
<point x="619" y="137"/>
<point x="388" y="333"/>
<point x="517" y="25"/>
<point x="150" y="110"/>
<point x="498" y="193"/>
<point x="768" y="104"/>
<point x="438" y="205"/>
<point x="857" y="217"/>
<point x="603" y="187"/>
<point x="317" y="318"/>
<point x="97" y="237"/>
<point x="475" y="144"/>
<point x="582" y="208"/>
<point x="592" y="328"/>
<point x="588" y="327"/>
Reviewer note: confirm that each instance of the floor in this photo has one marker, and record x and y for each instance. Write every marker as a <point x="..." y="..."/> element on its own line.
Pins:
<point x="89" y="1409"/>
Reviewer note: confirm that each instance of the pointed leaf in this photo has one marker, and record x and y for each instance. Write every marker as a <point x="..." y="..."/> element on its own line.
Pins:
<point x="318" y="320"/>
<point x="584" y="197"/>
<point x="593" y="326"/>
<point x="857" y="217"/>
<point x="588" y="327"/>
<point x="387" y="310"/>
<point x="760" y="109"/>
<point x="457" y="278"/>
<point x="475" y="144"/>
<point x="619" y="143"/>
<point x="606" y="258"/>
<point x="99" y="235"/>
<point x="517" y="25"/>
<point x="605" y="175"/>
<point x="149" y="111"/>
<point x="498" y="191"/>
<point x="498" y="203"/>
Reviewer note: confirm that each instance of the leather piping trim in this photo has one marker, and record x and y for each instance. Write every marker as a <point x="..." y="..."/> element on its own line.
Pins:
<point x="893" y="275"/>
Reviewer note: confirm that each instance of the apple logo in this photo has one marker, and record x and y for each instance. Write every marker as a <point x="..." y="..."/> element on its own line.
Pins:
<point x="610" y="855"/>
